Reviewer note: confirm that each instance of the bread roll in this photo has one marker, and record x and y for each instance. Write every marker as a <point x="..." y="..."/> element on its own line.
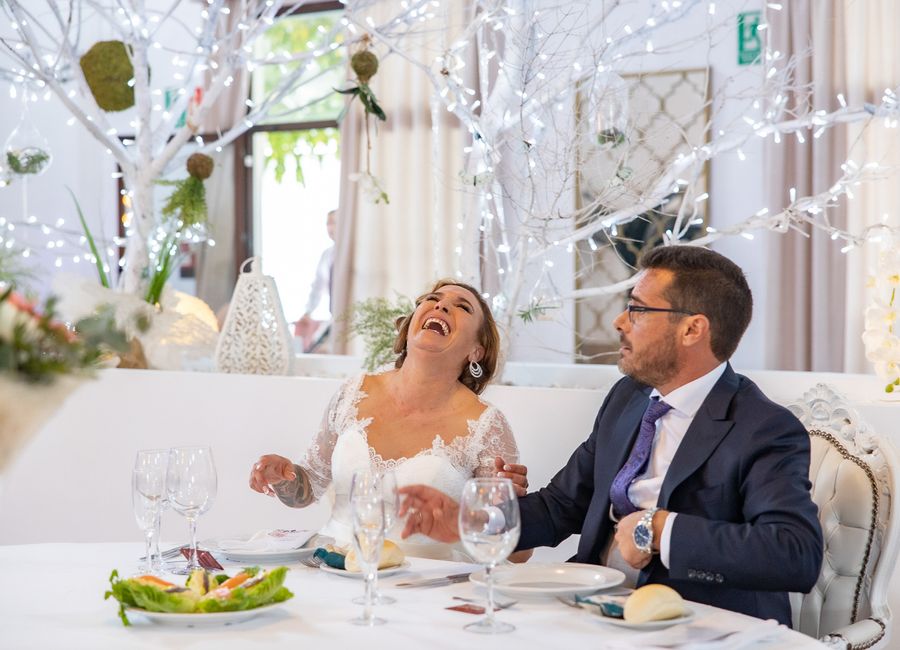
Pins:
<point x="654" y="603"/>
<point x="391" y="556"/>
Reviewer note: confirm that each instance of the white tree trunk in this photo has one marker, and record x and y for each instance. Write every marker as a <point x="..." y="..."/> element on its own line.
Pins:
<point x="137" y="256"/>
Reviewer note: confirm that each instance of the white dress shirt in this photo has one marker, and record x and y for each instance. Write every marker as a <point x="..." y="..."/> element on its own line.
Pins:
<point x="318" y="305"/>
<point x="670" y="429"/>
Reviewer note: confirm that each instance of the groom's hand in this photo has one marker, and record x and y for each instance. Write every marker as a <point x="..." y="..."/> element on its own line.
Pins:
<point x="625" y="541"/>
<point x="429" y="512"/>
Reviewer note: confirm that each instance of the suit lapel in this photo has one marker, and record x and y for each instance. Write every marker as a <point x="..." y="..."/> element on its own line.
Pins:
<point x="709" y="427"/>
<point x="609" y="460"/>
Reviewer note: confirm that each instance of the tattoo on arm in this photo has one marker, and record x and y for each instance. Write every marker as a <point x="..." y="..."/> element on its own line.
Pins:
<point x="297" y="493"/>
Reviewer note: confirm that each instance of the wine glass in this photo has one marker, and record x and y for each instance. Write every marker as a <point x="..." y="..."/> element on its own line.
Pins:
<point x="368" y="521"/>
<point x="391" y="508"/>
<point x="148" y="493"/>
<point x="191" y="486"/>
<point x="489" y="528"/>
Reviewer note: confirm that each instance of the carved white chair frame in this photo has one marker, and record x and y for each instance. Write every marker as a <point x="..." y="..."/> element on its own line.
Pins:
<point x="827" y="415"/>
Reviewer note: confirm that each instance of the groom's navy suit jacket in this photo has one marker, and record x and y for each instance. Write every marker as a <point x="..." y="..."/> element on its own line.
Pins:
<point x="747" y="531"/>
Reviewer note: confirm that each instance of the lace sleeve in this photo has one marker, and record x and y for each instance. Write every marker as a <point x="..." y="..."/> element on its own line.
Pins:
<point x="317" y="461"/>
<point x="498" y="441"/>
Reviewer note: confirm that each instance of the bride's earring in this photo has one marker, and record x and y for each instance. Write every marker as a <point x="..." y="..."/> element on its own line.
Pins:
<point x="475" y="370"/>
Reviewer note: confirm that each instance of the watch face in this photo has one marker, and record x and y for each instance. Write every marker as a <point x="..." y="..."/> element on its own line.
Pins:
<point x="641" y="536"/>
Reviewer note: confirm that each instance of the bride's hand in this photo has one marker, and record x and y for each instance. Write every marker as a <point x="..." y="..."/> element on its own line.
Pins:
<point x="518" y="474"/>
<point x="431" y="512"/>
<point x="270" y="470"/>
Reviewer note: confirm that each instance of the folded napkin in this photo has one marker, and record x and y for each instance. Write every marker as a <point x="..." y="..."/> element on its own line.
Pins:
<point x="204" y="558"/>
<point x="267" y="541"/>
<point x="331" y="558"/>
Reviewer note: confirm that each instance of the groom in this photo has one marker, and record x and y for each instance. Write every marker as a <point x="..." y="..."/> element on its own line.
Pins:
<point x="691" y="477"/>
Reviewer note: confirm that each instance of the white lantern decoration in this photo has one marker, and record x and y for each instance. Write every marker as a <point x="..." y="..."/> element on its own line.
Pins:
<point x="255" y="338"/>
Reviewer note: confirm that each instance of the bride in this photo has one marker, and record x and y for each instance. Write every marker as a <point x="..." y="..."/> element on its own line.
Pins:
<point x="423" y="419"/>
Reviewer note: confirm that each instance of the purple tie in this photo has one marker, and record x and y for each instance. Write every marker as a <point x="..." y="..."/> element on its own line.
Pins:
<point x="637" y="461"/>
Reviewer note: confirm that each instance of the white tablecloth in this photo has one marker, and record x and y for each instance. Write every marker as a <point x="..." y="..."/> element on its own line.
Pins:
<point x="52" y="597"/>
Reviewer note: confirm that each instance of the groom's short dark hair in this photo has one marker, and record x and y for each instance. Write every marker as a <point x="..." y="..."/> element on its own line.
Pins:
<point x="708" y="283"/>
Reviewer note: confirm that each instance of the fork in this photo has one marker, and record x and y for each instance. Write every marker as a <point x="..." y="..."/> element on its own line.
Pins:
<point x="497" y="605"/>
<point x="312" y="561"/>
<point x="168" y="554"/>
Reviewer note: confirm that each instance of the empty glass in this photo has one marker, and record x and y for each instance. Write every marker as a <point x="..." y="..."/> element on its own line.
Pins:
<point x="191" y="486"/>
<point x="489" y="528"/>
<point x="368" y="521"/>
<point x="391" y="507"/>
<point x="148" y="495"/>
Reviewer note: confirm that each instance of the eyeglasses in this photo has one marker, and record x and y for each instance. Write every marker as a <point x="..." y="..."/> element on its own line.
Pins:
<point x="633" y="309"/>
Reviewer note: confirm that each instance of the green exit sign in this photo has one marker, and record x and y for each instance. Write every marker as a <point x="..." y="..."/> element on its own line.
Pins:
<point x="749" y="39"/>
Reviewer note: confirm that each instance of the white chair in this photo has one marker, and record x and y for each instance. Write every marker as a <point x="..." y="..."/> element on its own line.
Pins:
<point x="853" y="476"/>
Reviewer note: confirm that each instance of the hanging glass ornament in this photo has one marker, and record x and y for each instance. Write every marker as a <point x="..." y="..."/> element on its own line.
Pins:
<point x="609" y="106"/>
<point x="255" y="338"/>
<point x="26" y="152"/>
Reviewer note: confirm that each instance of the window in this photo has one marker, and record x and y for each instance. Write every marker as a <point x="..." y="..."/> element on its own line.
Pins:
<point x="291" y="170"/>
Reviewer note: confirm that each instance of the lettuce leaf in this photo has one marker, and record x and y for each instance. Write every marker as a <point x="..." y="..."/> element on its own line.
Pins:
<point x="268" y="590"/>
<point x="132" y="593"/>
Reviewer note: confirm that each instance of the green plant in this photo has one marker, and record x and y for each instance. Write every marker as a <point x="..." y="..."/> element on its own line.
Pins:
<point x="166" y="261"/>
<point x="98" y="261"/>
<point x="314" y="102"/>
<point x="375" y="321"/>
<point x="12" y="273"/>
<point x="298" y="145"/>
<point x="187" y="200"/>
<point x="27" y="161"/>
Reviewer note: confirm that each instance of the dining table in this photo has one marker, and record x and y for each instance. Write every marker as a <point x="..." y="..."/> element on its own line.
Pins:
<point x="52" y="596"/>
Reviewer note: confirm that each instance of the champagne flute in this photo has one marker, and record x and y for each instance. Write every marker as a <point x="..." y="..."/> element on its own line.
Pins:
<point x="367" y="512"/>
<point x="391" y="507"/>
<point x="191" y="486"/>
<point x="489" y="528"/>
<point x="148" y="493"/>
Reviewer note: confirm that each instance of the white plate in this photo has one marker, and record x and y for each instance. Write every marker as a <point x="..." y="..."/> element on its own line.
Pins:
<point x="271" y="557"/>
<point x="359" y="575"/>
<point x="568" y="578"/>
<point x="648" y="625"/>
<point x="201" y="620"/>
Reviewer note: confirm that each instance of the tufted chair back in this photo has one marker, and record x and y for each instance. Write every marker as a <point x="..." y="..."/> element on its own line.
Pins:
<point x="852" y="475"/>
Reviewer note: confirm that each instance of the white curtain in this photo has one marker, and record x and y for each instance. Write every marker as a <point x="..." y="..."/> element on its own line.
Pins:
<point x="403" y="246"/>
<point x="872" y="64"/>
<point x="817" y="294"/>
<point x="217" y="266"/>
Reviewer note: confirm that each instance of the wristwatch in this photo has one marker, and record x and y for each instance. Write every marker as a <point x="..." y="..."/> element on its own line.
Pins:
<point x="643" y="532"/>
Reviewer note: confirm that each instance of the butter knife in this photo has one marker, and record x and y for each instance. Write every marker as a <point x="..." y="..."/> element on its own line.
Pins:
<point x="436" y="582"/>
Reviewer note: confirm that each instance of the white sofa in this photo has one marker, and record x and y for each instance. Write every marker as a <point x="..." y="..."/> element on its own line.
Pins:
<point x="72" y="482"/>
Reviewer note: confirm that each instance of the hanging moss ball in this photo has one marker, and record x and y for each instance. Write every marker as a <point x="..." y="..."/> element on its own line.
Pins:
<point x="365" y="65"/>
<point x="200" y="166"/>
<point x="107" y="69"/>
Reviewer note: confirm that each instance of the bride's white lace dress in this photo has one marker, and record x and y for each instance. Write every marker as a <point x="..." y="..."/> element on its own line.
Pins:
<point x="341" y="447"/>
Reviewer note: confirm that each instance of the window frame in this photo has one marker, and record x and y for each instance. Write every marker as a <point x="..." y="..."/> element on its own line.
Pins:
<point x="244" y="238"/>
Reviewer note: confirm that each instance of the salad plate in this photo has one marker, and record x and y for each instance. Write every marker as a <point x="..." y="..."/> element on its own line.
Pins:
<point x="201" y="619"/>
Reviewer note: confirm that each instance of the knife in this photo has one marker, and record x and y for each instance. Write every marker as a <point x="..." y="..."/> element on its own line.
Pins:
<point x="436" y="582"/>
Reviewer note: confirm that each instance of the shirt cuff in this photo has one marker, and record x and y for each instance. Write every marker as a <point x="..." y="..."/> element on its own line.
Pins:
<point x="665" y="540"/>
